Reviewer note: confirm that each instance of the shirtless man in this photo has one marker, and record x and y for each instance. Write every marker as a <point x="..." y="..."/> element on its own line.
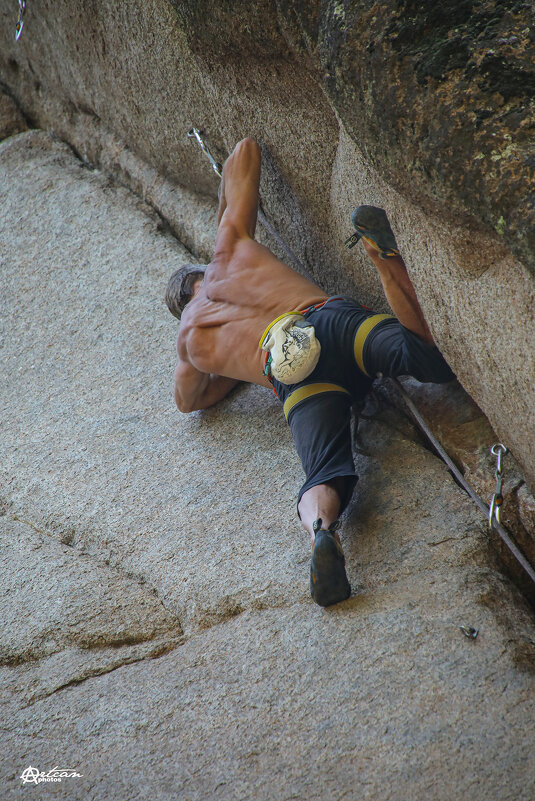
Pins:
<point x="226" y="306"/>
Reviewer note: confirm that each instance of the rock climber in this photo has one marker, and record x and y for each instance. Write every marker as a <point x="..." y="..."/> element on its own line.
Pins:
<point x="247" y="316"/>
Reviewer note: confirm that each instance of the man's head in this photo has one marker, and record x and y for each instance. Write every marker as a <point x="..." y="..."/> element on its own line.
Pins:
<point x="181" y="285"/>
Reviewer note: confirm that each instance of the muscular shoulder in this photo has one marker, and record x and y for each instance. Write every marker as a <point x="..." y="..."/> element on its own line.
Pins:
<point x="195" y="343"/>
<point x="235" y="254"/>
<point x="187" y="330"/>
<point x="182" y="341"/>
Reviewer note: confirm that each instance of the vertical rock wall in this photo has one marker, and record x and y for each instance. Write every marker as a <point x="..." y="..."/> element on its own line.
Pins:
<point x="426" y="112"/>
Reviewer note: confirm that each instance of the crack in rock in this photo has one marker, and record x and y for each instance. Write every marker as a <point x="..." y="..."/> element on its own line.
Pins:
<point x="164" y="648"/>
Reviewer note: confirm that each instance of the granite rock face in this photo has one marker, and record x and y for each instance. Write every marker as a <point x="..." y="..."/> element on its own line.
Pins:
<point x="157" y="633"/>
<point x="423" y="109"/>
<point x="11" y="119"/>
<point x="441" y="98"/>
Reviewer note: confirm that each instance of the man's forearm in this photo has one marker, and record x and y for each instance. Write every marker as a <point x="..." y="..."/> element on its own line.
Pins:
<point x="222" y="199"/>
<point x="217" y="388"/>
<point x="195" y="390"/>
<point x="238" y="192"/>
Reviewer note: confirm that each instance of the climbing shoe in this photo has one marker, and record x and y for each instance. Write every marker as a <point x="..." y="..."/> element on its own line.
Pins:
<point x="328" y="580"/>
<point x="371" y="224"/>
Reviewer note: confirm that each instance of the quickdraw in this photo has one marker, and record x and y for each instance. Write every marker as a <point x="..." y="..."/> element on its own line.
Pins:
<point x="194" y="133"/>
<point x="20" y="21"/>
<point x="497" y="450"/>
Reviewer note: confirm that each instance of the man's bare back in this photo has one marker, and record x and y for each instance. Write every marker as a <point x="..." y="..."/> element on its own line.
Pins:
<point x="244" y="289"/>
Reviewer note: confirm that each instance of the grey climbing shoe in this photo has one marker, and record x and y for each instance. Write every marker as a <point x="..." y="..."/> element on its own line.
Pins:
<point x="328" y="579"/>
<point x="371" y="224"/>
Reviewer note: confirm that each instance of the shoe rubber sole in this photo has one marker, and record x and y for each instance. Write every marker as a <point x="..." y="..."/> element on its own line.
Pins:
<point x="371" y="224"/>
<point x="328" y="579"/>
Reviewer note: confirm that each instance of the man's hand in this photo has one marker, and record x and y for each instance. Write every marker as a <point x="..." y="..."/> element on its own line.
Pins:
<point x="195" y="390"/>
<point x="238" y="196"/>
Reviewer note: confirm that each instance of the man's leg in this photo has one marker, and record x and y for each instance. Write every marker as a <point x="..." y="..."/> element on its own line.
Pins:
<point x="320" y="427"/>
<point x="373" y="227"/>
<point x="320" y="505"/>
<point x="408" y="349"/>
<point x="400" y="292"/>
<point x="321" y="501"/>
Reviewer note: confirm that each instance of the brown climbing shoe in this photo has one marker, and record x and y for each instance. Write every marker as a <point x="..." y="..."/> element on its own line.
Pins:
<point x="371" y="224"/>
<point x="328" y="579"/>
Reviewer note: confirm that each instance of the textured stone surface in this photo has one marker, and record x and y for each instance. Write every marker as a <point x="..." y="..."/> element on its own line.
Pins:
<point x="11" y="119"/>
<point x="51" y="597"/>
<point x="158" y="636"/>
<point x="441" y="94"/>
<point x="383" y="697"/>
<point x="66" y="617"/>
<point x="527" y="510"/>
<point x="468" y="438"/>
<point x="421" y="110"/>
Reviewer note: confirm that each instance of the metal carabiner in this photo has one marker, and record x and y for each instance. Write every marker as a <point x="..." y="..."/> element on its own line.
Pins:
<point x="494" y="511"/>
<point x="20" y="21"/>
<point x="216" y="166"/>
<point x="499" y="450"/>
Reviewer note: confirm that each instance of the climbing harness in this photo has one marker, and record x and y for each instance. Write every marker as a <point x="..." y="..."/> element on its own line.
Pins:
<point x="497" y="450"/>
<point x="20" y="21"/>
<point x="318" y="306"/>
<point x="194" y="133"/>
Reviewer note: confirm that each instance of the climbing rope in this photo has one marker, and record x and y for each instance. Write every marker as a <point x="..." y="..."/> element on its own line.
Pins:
<point x="492" y="512"/>
<point x="194" y="133"/>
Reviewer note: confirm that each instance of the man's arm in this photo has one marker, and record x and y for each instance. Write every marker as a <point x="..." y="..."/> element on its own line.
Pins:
<point x="238" y="195"/>
<point x="195" y="390"/>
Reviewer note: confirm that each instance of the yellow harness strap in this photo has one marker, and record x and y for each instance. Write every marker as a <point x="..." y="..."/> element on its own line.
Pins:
<point x="303" y="393"/>
<point x="272" y="323"/>
<point x="363" y="331"/>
